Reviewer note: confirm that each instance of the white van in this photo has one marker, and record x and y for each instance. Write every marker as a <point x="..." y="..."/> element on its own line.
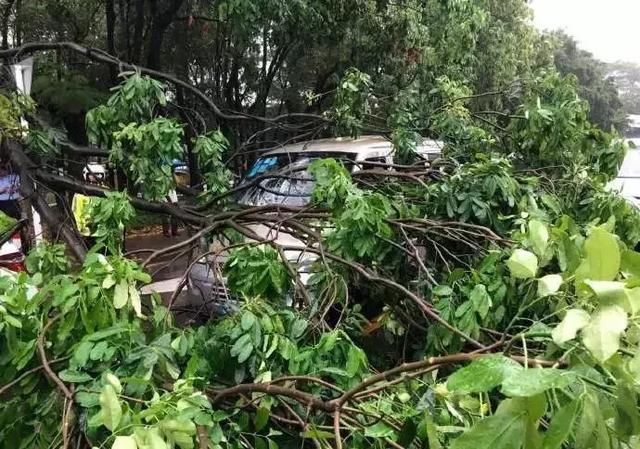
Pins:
<point x="356" y="154"/>
<point x="295" y="190"/>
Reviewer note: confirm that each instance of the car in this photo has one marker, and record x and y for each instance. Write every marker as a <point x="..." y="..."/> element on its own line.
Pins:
<point x="356" y="154"/>
<point x="205" y="280"/>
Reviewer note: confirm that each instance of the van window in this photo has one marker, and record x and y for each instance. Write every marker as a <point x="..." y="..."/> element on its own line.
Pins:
<point x="284" y="179"/>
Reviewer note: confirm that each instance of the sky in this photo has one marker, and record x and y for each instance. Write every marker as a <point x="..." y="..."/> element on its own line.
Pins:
<point x="607" y="28"/>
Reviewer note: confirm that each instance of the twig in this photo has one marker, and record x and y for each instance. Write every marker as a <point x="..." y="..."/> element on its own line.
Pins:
<point x="45" y="363"/>
<point x="274" y="390"/>
<point x="203" y="437"/>
<point x="26" y="374"/>
<point x="336" y="428"/>
<point x="66" y="437"/>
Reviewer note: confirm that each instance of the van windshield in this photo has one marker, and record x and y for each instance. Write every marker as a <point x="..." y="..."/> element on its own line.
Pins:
<point x="284" y="179"/>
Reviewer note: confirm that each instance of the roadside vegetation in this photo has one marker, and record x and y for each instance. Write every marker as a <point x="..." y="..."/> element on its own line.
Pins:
<point x="489" y="299"/>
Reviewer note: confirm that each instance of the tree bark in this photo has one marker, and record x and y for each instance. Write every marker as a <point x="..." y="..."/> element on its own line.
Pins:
<point x="51" y="217"/>
<point x="160" y="22"/>
<point x="6" y="14"/>
<point x="110" y="13"/>
<point x="18" y="28"/>
<point x="138" y="36"/>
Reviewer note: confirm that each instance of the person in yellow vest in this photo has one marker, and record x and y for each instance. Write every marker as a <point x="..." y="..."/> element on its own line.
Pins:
<point x="80" y="207"/>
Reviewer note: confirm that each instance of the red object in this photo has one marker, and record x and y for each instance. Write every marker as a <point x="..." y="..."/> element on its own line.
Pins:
<point x="14" y="261"/>
<point x="17" y="266"/>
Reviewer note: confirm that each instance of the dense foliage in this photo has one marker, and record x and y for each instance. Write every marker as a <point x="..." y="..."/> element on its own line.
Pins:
<point x="87" y="358"/>
<point x="487" y="299"/>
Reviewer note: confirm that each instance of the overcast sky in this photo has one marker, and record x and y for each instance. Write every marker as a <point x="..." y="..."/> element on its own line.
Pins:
<point x="610" y="29"/>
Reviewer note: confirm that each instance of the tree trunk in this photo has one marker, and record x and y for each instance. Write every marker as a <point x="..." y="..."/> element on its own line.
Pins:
<point x="6" y="14"/>
<point x="124" y="26"/>
<point x="138" y="35"/>
<point x="59" y="227"/>
<point x="110" y="13"/>
<point x="17" y="40"/>
<point x="160" y="23"/>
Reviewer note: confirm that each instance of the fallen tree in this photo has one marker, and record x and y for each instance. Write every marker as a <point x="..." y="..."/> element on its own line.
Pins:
<point x="487" y="305"/>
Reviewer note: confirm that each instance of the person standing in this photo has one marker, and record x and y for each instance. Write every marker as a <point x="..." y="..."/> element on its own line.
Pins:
<point x="169" y="223"/>
<point x="80" y="207"/>
<point x="9" y="192"/>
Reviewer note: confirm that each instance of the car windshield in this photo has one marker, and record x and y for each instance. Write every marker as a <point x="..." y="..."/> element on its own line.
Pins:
<point x="283" y="179"/>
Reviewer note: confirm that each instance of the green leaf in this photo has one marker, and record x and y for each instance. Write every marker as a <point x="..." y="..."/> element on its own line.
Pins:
<point x="432" y="432"/>
<point x="82" y="352"/>
<point x="108" y="282"/>
<point x="74" y="377"/>
<point x="121" y="294"/>
<point x="481" y="300"/>
<point x="298" y="328"/>
<point x="539" y="237"/>
<point x="379" y="430"/>
<point x="442" y="290"/>
<point x="630" y="263"/>
<point x="103" y="334"/>
<point x="262" y="418"/>
<point x="317" y="434"/>
<point x="534" y="381"/>
<point x="500" y="431"/>
<point x="245" y="353"/>
<point x="335" y="371"/>
<point x="615" y="293"/>
<point x="627" y="420"/>
<point x="606" y="290"/>
<point x="549" y="285"/>
<point x="247" y="321"/>
<point x="592" y="431"/>
<point x="483" y="374"/>
<point x="134" y="294"/>
<point x="560" y="426"/>
<point x="634" y="364"/>
<point x="631" y="302"/>
<point x="573" y="321"/>
<point x="155" y="440"/>
<point x="240" y="344"/>
<point x="602" y="255"/>
<point x="602" y="335"/>
<point x="110" y="408"/>
<point x="523" y="264"/>
<point x="183" y="440"/>
<point x="124" y="443"/>
<point x="114" y="382"/>
<point x="355" y="360"/>
<point x="12" y="321"/>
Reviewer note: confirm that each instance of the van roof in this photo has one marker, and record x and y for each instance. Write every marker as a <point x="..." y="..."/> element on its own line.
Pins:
<point x="363" y="146"/>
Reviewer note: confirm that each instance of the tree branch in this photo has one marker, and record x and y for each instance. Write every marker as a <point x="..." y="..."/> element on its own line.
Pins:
<point x="50" y="216"/>
<point x="102" y="56"/>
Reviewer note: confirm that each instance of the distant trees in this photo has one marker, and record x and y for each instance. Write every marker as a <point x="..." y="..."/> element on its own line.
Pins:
<point x="595" y="85"/>
<point x="627" y="77"/>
